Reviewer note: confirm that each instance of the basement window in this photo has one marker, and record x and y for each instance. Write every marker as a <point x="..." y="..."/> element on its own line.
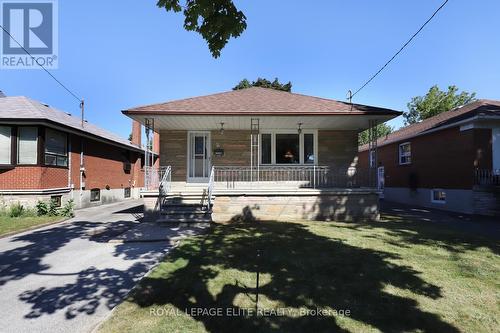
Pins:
<point x="438" y="196"/>
<point x="126" y="192"/>
<point x="57" y="200"/>
<point x="95" y="195"/>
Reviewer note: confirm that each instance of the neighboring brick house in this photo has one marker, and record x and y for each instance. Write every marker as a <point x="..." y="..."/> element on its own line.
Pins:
<point x="46" y="153"/>
<point x="450" y="161"/>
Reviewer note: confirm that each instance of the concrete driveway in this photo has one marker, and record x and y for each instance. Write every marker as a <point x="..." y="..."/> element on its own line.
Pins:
<point x="67" y="277"/>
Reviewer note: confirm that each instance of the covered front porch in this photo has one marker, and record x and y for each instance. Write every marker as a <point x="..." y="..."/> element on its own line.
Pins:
<point x="253" y="152"/>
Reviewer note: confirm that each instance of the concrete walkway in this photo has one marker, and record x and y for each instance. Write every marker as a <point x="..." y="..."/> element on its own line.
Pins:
<point x="67" y="277"/>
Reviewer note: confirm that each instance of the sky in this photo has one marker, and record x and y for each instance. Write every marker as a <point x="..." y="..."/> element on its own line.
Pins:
<point x="120" y="54"/>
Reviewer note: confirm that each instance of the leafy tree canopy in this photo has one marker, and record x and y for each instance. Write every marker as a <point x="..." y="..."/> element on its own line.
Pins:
<point x="382" y="130"/>
<point x="264" y="84"/>
<point x="216" y="21"/>
<point x="435" y="102"/>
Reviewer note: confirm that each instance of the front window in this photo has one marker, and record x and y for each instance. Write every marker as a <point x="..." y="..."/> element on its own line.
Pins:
<point x="309" y="157"/>
<point x="405" y="153"/>
<point x="5" y="144"/>
<point x="56" y="151"/>
<point x="288" y="148"/>
<point x="27" y="145"/>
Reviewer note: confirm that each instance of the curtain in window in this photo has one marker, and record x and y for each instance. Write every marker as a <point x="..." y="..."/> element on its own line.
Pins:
<point x="5" y="144"/>
<point x="27" y="148"/>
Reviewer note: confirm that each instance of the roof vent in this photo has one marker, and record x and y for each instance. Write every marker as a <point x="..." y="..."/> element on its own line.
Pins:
<point x="2" y="94"/>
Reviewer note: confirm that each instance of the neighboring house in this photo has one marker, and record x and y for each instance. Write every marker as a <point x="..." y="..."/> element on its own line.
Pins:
<point x="450" y="161"/>
<point x="260" y="153"/>
<point x="49" y="154"/>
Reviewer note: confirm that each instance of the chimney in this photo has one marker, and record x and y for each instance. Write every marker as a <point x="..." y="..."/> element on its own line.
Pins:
<point x="136" y="133"/>
<point x="2" y="94"/>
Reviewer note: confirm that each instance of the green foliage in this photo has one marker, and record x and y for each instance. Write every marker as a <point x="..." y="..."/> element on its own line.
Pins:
<point x="53" y="211"/>
<point x="67" y="209"/>
<point x="216" y="21"/>
<point x="41" y="208"/>
<point x="382" y="130"/>
<point x="436" y="102"/>
<point x="264" y="83"/>
<point x="16" y="210"/>
<point x="130" y="137"/>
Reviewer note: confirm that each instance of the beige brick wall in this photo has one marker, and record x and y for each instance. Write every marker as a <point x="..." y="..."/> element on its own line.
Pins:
<point x="337" y="149"/>
<point x="236" y="145"/>
<point x="173" y="148"/>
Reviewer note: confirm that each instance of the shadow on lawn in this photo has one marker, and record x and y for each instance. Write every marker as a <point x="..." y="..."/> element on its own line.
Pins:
<point x="454" y="232"/>
<point x="306" y="271"/>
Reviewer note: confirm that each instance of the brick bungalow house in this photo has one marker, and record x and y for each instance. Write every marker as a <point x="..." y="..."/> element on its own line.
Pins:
<point x="450" y="161"/>
<point x="259" y="153"/>
<point x="49" y="154"/>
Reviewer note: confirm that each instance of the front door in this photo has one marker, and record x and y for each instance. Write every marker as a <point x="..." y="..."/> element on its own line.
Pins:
<point x="199" y="165"/>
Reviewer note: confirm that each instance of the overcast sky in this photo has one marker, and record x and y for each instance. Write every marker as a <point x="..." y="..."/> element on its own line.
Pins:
<point x="119" y="54"/>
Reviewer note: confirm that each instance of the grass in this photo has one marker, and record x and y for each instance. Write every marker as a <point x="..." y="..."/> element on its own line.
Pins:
<point x="393" y="276"/>
<point x="17" y="224"/>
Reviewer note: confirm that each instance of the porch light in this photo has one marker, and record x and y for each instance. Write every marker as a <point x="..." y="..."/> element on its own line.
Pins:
<point x="221" y="131"/>
<point x="299" y="129"/>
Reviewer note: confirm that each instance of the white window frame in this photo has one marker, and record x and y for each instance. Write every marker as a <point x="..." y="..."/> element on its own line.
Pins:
<point x="438" y="201"/>
<point x="301" y="146"/>
<point x="407" y="155"/>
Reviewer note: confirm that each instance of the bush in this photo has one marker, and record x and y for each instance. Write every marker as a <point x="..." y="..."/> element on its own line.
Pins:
<point x="41" y="208"/>
<point x="53" y="208"/>
<point x="16" y="210"/>
<point x="67" y="210"/>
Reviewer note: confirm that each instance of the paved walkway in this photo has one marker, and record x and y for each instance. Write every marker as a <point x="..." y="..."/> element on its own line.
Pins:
<point x="67" y="277"/>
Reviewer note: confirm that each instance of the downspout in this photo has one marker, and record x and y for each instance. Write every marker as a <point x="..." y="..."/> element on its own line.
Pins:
<point x="69" y="165"/>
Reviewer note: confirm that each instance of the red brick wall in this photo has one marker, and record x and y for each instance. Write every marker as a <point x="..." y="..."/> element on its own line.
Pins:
<point x="443" y="159"/>
<point x="33" y="177"/>
<point x="103" y="163"/>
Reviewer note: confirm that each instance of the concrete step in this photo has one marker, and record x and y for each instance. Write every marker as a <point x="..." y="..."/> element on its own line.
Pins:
<point x="207" y="218"/>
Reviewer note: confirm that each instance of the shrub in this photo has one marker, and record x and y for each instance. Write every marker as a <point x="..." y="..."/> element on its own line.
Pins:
<point x="53" y="208"/>
<point x="16" y="210"/>
<point x="41" y="208"/>
<point x="67" y="210"/>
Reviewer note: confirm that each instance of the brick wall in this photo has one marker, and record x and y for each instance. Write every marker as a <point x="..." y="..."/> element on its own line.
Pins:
<point x="236" y="145"/>
<point x="443" y="159"/>
<point x="337" y="149"/>
<point x="104" y="164"/>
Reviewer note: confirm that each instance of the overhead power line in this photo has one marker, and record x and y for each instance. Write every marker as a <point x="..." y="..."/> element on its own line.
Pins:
<point x="401" y="49"/>
<point x="45" y="69"/>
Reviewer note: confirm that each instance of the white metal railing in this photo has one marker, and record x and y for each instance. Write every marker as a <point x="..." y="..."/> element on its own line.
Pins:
<point x="298" y="176"/>
<point x="486" y="177"/>
<point x="210" y="188"/>
<point x="153" y="176"/>
<point x="166" y="181"/>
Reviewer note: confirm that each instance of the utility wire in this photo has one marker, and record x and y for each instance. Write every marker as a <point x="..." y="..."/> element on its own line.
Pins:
<point x="401" y="49"/>
<point x="45" y="69"/>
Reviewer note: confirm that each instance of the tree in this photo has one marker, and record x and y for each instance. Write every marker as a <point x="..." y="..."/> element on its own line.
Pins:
<point x="264" y="84"/>
<point x="436" y="102"/>
<point x="215" y="21"/>
<point x="382" y="130"/>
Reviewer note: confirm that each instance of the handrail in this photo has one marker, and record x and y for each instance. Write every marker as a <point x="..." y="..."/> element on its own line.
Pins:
<point x="166" y="180"/>
<point x="210" y="188"/>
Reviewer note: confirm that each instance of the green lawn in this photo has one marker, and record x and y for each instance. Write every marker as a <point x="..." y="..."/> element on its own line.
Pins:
<point x="393" y="276"/>
<point x="17" y="224"/>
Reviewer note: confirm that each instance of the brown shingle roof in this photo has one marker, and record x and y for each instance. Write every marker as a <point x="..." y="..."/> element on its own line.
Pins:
<point x="257" y="101"/>
<point x="482" y="106"/>
<point x="26" y="109"/>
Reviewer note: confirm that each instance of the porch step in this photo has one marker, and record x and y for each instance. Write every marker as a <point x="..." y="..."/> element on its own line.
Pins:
<point x="185" y="213"/>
